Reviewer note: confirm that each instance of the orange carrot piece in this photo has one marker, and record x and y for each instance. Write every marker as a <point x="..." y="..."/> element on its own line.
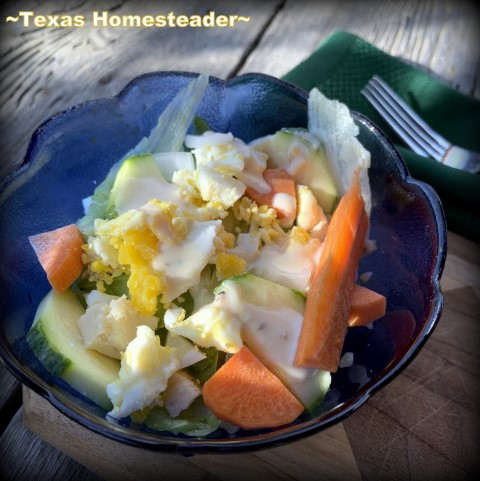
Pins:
<point x="60" y="253"/>
<point x="327" y="308"/>
<point x="245" y="393"/>
<point x="281" y="182"/>
<point x="366" y="306"/>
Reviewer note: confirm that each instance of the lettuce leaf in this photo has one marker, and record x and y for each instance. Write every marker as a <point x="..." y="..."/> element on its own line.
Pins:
<point x="173" y="125"/>
<point x="200" y="125"/>
<point x="197" y="420"/>
<point x="99" y="205"/>
<point x="167" y="136"/>
<point x="118" y="287"/>
<point x="331" y="122"/>
<point x="205" y="369"/>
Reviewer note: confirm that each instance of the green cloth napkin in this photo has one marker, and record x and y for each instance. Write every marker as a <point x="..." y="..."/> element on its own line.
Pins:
<point x="344" y="63"/>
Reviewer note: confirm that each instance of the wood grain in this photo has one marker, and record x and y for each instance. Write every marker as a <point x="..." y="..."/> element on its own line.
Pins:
<point x="462" y="266"/>
<point x="422" y="32"/>
<point x="24" y="456"/>
<point x="326" y="455"/>
<point x="424" y="424"/>
<point x="430" y="412"/>
<point x="47" y="70"/>
<point x="10" y="396"/>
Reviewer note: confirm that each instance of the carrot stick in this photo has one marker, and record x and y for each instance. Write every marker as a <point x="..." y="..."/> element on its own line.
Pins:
<point x="328" y="303"/>
<point x="366" y="306"/>
<point x="245" y="393"/>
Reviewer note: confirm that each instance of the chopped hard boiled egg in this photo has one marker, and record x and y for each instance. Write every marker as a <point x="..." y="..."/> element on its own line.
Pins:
<point x="218" y="161"/>
<point x="247" y="247"/>
<point x="145" y="370"/>
<point x="187" y="352"/>
<point x="203" y="144"/>
<point x="229" y="265"/>
<point x="310" y="215"/>
<point x="261" y="220"/>
<point x="101" y="248"/>
<point x="163" y="252"/>
<point x="210" y="326"/>
<point x="136" y="244"/>
<point x="219" y="187"/>
<point x="110" y="323"/>
<point x="290" y="262"/>
<point x="255" y="164"/>
<point x="181" y="391"/>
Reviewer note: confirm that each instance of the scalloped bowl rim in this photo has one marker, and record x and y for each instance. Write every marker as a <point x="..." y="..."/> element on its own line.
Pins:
<point x="191" y="445"/>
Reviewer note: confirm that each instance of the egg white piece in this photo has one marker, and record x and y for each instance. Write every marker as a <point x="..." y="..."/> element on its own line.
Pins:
<point x="289" y="263"/>
<point x="110" y="323"/>
<point x="213" y="325"/>
<point x="180" y="393"/>
<point x="146" y="367"/>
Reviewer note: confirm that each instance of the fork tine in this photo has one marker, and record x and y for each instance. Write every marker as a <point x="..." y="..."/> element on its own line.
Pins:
<point x="403" y="130"/>
<point x="430" y="140"/>
<point x="381" y="84"/>
<point x="404" y="126"/>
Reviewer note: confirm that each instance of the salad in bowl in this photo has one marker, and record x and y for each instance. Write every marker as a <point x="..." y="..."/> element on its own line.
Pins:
<point x="211" y="281"/>
<point x="214" y="255"/>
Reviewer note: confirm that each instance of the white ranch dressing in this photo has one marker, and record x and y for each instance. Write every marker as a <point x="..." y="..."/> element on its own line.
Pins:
<point x="272" y="335"/>
<point x="182" y="262"/>
<point x="290" y="264"/>
<point x="274" y="331"/>
<point x="255" y="165"/>
<point x="137" y="192"/>
<point x="298" y="155"/>
<point x="277" y="331"/>
<point x="284" y="202"/>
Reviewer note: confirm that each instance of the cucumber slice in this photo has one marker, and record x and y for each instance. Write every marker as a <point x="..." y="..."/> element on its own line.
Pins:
<point x="308" y="385"/>
<point x="57" y="342"/>
<point x="272" y="317"/>
<point x="139" y="180"/>
<point x="282" y="148"/>
<point x="262" y="292"/>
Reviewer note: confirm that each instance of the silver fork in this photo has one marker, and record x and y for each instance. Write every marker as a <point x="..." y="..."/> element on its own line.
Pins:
<point x="415" y="132"/>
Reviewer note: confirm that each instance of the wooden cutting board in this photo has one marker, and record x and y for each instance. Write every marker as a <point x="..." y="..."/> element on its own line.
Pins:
<point x="326" y="455"/>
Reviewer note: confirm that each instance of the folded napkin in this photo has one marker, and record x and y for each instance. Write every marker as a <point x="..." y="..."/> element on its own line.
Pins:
<point x="344" y="63"/>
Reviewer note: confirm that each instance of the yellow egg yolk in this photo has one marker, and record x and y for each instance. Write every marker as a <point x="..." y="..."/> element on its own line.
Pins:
<point x="136" y="249"/>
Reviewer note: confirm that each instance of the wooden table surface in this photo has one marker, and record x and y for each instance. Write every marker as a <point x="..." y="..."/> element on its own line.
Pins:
<point x="425" y="423"/>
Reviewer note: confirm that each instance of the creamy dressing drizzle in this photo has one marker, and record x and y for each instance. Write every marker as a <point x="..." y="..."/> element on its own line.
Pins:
<point x="284" y="202"/>
<point x="276" y="330"/>
<point x="290" y="264"/>
<point x="182" y="262"/>
<point x="137" y="192"/>
<point x="298" y="154"/>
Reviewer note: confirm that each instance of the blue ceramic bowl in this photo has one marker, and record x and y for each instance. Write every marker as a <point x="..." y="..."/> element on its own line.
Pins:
<point x="75" y="148"/>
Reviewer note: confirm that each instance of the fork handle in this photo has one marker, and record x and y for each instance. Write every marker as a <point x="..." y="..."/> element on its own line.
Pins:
<point x="462" y="159"/>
